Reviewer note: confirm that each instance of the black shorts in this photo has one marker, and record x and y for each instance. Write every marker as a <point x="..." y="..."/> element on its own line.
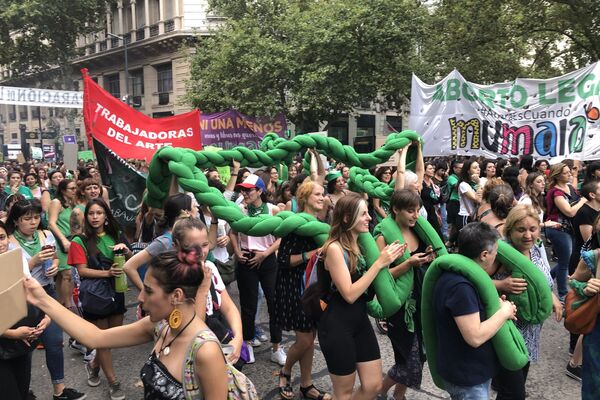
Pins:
<point x="452" y="208"/>
<point x="346" y="336"/>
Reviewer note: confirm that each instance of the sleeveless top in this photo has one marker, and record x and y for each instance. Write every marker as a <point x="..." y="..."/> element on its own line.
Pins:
<point x="158" y="382"/>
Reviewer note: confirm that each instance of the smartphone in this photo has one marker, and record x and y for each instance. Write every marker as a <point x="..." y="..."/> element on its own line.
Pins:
<point x="427" y="253"/>
<point x="49" y="247"/>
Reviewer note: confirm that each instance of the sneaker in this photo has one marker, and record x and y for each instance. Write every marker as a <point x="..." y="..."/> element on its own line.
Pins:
<point x="69" y="394"/>
<point x="73" y="344"/>
<point x="278" y="356"/>
<point x="254" y="342"/>
<point x="251" y="360"/>
<point x="259" y="334"/>
<point x="115" y="391"/>
<point x="93" y="375"/>
<point x="89" y="355"/>
<point x="574" y="372"/>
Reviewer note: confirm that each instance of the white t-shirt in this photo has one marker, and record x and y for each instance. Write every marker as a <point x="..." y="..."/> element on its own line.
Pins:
<point x="223" y="228"/>
<point x="256" y="243"/>
<point x="467" y="206"/>
<point x="219" y="287"/>
<point x="525" y="199"/>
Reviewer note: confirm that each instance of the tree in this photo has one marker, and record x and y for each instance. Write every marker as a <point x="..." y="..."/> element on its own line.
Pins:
<point x="313" y="60"/>
<point x="37" y="35"/>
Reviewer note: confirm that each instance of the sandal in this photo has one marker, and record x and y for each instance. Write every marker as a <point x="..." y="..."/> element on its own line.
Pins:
<point x="305" y="393"/>
<point x="286" y="392"/>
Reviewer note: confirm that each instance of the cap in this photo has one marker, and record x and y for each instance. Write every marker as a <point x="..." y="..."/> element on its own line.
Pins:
<point x="333" y="175"/>
<point x="253" y="181"/>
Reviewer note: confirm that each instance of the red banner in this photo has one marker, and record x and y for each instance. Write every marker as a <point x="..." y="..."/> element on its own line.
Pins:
<point x="129" y="133"/>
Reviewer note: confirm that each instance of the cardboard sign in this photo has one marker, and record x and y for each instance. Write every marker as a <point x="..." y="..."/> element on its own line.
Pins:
<point x="70" y="151"/>
<point x="12" y="294"/>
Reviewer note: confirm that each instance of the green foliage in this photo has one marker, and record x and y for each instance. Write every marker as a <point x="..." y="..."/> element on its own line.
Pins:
<point x="311" y="59"/>
<point x="36" y="35"/>
<point x="316" y="59"/>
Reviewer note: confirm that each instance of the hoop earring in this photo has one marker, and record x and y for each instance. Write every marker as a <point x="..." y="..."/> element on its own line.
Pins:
<point x="175" y="319"/>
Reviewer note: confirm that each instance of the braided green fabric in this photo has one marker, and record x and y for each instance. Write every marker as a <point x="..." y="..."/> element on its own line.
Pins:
<point x="396" y="295"/>
<point x="534" y="305"/>
<point x="508" y="342"/>
<point x="362" y="181"/>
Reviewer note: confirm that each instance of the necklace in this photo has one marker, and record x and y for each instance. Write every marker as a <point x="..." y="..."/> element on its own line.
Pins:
<point x="166" y="349"/>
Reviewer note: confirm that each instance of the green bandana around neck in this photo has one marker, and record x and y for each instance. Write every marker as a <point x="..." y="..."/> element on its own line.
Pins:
<point x="32" y="247"/>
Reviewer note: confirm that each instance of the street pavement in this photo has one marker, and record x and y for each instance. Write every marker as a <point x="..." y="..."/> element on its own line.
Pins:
<point x="547" y="379"/>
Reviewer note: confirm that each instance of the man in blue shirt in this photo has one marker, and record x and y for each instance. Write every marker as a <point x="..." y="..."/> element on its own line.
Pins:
<point x="466" y="359"/>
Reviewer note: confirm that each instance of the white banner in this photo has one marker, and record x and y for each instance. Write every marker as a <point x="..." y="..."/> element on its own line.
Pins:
<point x="40" y="97"/>
<point x="547" y="118"/>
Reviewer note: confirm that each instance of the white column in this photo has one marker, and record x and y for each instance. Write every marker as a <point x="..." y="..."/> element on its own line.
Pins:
<point x="161" y="17"/>
<point x="147" y="18"/>
<point x="133" y="18"/>
<point x="121" y="25"/>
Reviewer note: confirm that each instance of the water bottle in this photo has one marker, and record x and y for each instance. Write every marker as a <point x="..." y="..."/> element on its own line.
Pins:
<point x="120" y="280"/>
<point x="50" y="244"/>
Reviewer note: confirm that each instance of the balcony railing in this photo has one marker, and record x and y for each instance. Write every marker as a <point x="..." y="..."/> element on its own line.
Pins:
<point x="169" y="25"/>
<point x="154" y="30"/>
<point x="103" y="45"/>
<point x="140" y="34"/>
<point x="127" y="38"/>
<point x="92" y="48"/>
<point x="114" y="42"/>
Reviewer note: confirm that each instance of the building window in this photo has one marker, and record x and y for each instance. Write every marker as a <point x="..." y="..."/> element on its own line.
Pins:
<point x="339" y="130"/>
<point x="113" y="85"/>
<point x="12" y="113"/>
<point x="23" y="113"/>
<point x="35" y="112"/>
<point x="393" y="123"/>
<point x="164" y="74"/>
<point x="365" y="125"/>
<point x="136" y="82"/>
<point x="14" y="136"/>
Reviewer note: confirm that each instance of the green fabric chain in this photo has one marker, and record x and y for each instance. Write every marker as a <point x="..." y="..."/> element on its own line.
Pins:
<point x="396" y="295"/>
<point x="362" y="181"/>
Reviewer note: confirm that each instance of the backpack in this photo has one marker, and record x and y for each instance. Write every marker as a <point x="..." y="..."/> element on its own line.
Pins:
<point x="239" y="387"/>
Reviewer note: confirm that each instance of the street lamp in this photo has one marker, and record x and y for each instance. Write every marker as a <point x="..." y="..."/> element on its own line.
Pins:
<point x="120" y="37"/>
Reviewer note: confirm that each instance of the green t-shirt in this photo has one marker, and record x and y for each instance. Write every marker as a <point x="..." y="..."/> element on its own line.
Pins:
<point x="452" y="183"/>
<point x="104" y="243"/>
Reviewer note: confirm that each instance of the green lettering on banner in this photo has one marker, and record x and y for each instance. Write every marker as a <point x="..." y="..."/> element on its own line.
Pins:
<point x="503" y="96"/>
<point x="566" y="91"/>
<point x="486" y="96"/>
<point x="468" y="92"/>
<point x="439" y="93"/>
<point x="523" y="96"/>
<point x="453" y="89"/>
<point x="581" y="89"/>
<point x="542" y="92"/>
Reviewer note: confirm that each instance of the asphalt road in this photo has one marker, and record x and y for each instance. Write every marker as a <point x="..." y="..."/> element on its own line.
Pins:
<point x="547" y="379"/>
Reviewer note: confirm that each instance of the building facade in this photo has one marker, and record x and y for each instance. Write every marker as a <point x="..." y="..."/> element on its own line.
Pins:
<point x="156" y="37"/>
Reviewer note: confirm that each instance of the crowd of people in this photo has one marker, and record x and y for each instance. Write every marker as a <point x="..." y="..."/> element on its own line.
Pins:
<point x="182" y="260"/>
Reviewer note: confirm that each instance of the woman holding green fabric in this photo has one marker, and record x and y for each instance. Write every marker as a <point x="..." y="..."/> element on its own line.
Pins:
<point x="59" y="215"/>
<point x="522" y="231"/>
<point x="404" y="327"/>
<point x="382" y="206"/>
<point x="92" y="254"/>
<point x="15" y="185"/>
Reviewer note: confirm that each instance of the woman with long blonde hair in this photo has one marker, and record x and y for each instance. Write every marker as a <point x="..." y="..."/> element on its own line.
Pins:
<point x="345" y="332"/>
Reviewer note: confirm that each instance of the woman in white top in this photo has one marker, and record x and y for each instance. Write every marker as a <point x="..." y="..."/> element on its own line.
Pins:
<point x="469" y="195"/>
<point x="535" y="185"/>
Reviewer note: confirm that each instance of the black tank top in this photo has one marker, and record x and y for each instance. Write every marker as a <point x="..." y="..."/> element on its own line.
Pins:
<point x="158" y="382"/>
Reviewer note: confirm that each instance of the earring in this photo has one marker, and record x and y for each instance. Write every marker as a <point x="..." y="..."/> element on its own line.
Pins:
<point x="175" y="319"/>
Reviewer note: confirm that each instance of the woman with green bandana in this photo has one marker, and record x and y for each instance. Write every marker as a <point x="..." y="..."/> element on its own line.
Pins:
<point x="335" y="186"/>
<point x="404" y="327"/>
<point x="93" y="254"/>
<point x="38" y="248"/>
<point x="59" y="215"/>
<point x="15" y="185"/>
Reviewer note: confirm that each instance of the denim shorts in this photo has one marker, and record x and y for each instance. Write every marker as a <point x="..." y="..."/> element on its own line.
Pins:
<point x="477" y="392"/>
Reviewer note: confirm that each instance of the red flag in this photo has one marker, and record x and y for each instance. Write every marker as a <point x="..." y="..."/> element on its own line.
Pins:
<point x="129" y="133"/>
